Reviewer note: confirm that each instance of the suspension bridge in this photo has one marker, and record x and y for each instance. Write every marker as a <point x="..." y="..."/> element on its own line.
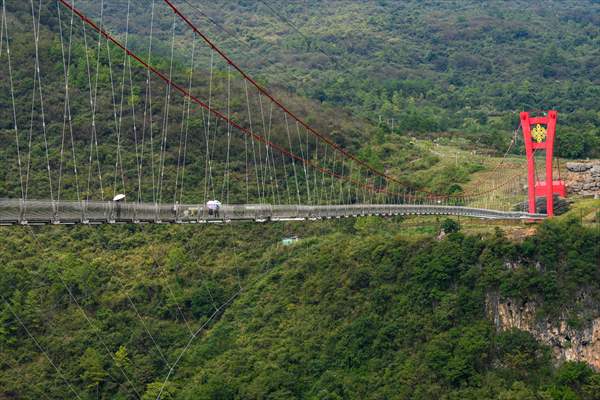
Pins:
<point x="127" y="112"/>
<point x="105" y="103"/>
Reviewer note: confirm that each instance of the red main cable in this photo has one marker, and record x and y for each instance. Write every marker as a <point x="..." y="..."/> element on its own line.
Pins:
<point x="220" y="115"/>
<point x="248" y="132"/>
<point x="287" y="111"/>
<point x="274" y="100"/>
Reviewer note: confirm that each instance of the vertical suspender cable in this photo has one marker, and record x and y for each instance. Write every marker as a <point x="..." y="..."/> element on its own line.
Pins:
<point x="93" y="104"/>
<point x="266" y="167"/>
<point x="287" y="128"/>
<point x="148" y="112"/>
<point x="252" y="143"/>
<point x="207" y="164"/>
<point x="12" y="96"/>
<point x="185" y="119"/>
<point x="304" y="163"/>
<point x="163" y="148"/>
<point x="116" y="121"/>
<point x="36" y="32"/>
<point x="67" y="111"/>
<point x="120" y="125"/>
<point x="135" y="132"/>
<point x="226" y="178"/>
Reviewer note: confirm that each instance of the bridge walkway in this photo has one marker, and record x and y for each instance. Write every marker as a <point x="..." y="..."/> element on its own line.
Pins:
<point x="42" y="212"/>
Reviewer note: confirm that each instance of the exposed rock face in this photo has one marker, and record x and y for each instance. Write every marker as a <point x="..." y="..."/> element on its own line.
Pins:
<point x="584" y="178"/>
<point x="578" y="166"/>
<point x="567" y="343"/>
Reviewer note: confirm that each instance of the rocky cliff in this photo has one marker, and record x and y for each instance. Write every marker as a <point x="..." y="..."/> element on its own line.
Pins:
<point x="583" y="178"/>
<point x="568" y="343"/>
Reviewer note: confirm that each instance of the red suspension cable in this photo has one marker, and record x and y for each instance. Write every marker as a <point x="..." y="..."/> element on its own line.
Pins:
<point x="218" y="114"/>
<point x="253" y="135"/>
<point x="274" y="100"/>
<point x="300" y="121"/>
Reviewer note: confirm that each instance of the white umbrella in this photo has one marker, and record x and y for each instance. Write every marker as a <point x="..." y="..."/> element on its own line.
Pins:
<point x="213" y="204"/>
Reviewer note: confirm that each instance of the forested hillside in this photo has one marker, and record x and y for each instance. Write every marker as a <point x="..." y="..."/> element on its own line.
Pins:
<point x="121" y="134"/>
<point x="462" y="66"/>
<point x="356" y="308"/>
<point x="117" y="124"/>
<point x="353" y="311"/>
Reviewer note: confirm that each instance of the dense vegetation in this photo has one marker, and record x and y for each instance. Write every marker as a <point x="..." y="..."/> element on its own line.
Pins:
<point x="464" y="67"/>
<point x="107" y="134"/>
<point x="358" y="308"/>
<point x="352" y="311"/>
<point x="116" y="139"/>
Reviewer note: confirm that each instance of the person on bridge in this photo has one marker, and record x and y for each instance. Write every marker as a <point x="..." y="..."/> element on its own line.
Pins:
<point x="213" y="207"/>
<point x="118" y="199"/>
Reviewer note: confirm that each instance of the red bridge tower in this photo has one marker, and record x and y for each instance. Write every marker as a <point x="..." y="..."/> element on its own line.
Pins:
<point x="539" y="133"/>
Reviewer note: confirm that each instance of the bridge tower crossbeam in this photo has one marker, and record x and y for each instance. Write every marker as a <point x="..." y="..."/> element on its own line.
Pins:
<point x="541" y="138"/>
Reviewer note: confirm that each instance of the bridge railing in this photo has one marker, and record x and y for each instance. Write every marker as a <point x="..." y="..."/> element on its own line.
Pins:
<point x="97" y="212"/>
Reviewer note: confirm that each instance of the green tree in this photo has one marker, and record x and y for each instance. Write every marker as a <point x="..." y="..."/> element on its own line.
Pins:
<point x="450" y="226"/>
<point x="153" y="390"/>
<point x="122" y="357"/>
<point x="518" y="391"/>
<point x="93" y="369"/>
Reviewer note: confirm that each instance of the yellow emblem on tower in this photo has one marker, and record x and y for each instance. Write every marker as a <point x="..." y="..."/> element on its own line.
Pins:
<point x="538" y="133"/>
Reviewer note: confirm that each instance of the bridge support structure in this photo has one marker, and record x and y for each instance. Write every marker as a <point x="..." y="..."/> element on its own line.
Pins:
<point x="539" y="134"/>
<point x="46" y="212"/>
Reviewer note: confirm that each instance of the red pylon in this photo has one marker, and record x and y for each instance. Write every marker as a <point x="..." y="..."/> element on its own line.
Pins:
<point x="541" y="137"/>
